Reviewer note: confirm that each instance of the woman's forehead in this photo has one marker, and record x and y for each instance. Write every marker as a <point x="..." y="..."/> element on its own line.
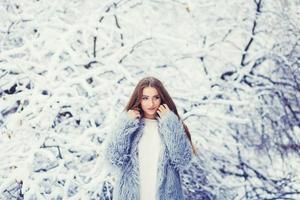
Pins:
<point x="150" y="91"/>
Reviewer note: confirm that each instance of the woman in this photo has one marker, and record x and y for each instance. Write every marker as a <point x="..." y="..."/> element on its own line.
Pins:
<point x="149" y="146"/>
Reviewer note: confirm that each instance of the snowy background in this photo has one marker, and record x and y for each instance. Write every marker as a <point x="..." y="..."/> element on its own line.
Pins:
<point x="67" y="68"/>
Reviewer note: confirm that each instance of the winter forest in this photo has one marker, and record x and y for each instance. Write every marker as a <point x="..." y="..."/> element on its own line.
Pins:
<point x="68" y="68"/>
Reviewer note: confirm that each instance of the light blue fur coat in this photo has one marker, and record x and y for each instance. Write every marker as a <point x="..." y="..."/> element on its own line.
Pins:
<point x="122" y="154"/>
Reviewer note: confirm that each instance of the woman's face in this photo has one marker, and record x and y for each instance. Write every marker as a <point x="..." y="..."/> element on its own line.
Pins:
<point x="150" y="102"/>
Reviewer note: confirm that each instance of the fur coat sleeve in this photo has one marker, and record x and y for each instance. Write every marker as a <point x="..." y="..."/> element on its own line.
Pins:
<point x="176" y="140"/>
<point x="118" y="148"/>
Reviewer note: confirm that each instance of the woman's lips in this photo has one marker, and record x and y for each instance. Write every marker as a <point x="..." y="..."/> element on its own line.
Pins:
<point x="151" y="109"/>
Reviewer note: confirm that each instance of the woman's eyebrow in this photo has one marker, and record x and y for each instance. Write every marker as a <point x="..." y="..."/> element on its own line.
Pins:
<point x="148" y="96"/>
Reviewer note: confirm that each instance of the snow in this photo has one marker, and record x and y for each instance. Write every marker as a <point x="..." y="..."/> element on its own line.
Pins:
<point x="68" y="68"/>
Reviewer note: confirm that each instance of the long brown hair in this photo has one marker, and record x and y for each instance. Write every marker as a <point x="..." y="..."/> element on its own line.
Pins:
<point x="136" y="97"/>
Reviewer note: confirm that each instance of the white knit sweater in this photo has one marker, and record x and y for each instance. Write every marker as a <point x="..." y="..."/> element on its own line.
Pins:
<point x="149" y="149"/>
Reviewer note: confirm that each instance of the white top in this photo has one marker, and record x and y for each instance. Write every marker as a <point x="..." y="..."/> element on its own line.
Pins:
<point x="149" y="149"/>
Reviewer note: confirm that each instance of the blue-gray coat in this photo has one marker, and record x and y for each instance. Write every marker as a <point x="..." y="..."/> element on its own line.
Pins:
<point x="122" y="153"/>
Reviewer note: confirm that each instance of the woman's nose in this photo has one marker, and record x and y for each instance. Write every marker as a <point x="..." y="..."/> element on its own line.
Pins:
<point x="151" y="103"/>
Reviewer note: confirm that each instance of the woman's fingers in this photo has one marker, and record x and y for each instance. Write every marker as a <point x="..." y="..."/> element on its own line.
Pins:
<point x="138" y="114"/>
<point x="166" y="107"/>
<point x="134" y="113"/>
<point x="163" y="109"/>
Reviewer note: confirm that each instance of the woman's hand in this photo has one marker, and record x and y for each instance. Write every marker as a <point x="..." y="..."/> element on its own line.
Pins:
<point x="134" y="114"/>
<point x="163" y="110"/>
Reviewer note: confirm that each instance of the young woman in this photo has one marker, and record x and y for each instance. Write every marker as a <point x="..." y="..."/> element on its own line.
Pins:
<point x="149" y="146"/>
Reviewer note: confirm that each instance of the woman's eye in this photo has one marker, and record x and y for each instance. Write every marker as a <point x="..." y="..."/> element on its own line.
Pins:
<point x="145" y="98"/>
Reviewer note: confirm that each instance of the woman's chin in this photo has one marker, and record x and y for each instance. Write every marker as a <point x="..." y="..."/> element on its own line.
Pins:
<point x="152" y="114"/>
